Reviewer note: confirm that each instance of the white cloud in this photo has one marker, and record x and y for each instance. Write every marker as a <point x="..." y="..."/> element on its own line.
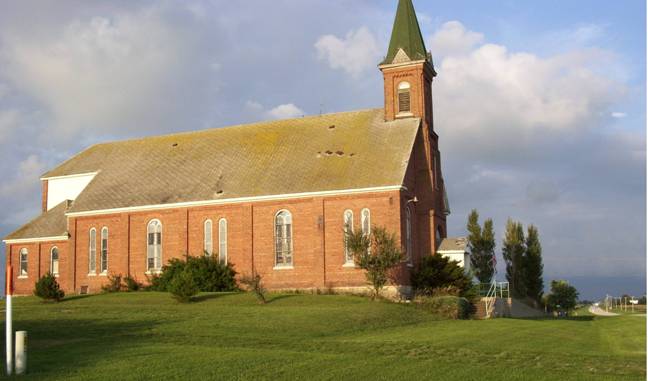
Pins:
<point x="619" y="115"/>
<point x="285" y="111"/>
<point x="454" y="39"/>
<point x="108" y="74"/>
<point x="355" y="53"/>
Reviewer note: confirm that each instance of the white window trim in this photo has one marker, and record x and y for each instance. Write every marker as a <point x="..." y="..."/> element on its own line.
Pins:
<point x="348" y="262"/>
<point x="283" y="266"/>
<point x="92" y="271"/>
<point x="155" y="270"/>
<point x="211" y="237"/>
<point x="103" y="272"/>
<point x="20" y="262"/>
<point x="220" y="240"/>
<point x="56" y="274"/>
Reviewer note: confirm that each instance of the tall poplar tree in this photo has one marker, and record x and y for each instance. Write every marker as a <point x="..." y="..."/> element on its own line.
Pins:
<point x="533" y="265"/>
<point x="481" y="244"/>
<point x="513" y="251"/>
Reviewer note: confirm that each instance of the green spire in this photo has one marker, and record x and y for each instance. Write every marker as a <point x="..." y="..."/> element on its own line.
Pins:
<point x="406" y="35"/>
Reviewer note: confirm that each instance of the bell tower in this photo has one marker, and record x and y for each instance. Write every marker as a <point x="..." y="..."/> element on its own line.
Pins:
<point x="408" y="70"/>
<point x="408" y="73"/>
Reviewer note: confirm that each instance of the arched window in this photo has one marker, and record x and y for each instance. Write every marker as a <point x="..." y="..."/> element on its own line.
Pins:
<point x="283" y="239"/>
<point x="209" y="243"/>
<point x="222" y="241"/>
<point x="348" y="228"/>
<point x="154" y="246"/>
<point x="404" y="97"/>
<point x="54" y="261"/>
<point x="408" y="234"/>
<point x="92" y="252"/>
<point x="365" y="220"/>
<point x="104" y="250"/>
<point x="23" y="262"/>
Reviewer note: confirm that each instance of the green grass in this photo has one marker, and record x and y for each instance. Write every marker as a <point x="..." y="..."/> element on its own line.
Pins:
<point x="144" y="336"/>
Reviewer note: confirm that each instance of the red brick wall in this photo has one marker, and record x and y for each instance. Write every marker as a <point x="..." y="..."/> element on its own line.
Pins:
<point x="38" y="264"/>
<point x="318" y="248"/>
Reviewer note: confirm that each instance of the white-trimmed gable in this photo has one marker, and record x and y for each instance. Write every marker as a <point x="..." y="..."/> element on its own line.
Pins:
<point x="64" y="188"/>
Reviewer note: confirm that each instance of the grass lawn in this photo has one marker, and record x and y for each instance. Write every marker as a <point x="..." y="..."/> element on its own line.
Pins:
<point x="143" y="336"/>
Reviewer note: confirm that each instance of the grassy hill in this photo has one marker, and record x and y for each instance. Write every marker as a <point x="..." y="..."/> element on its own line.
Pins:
<point x="228" y="336"/>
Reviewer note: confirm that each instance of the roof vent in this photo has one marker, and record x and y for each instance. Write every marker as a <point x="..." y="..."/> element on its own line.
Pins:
<point x="332" y="126"/>
<point x="339" y="153"/>
<point x="174" y="144"/>
<point x="328" y="153"/>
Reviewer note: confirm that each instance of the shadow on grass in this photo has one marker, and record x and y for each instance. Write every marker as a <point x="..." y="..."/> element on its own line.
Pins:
<point x="76" y="297"/>
<point x="60" y="347"/>
<point x="552" y="318"/>
<point x="275" y="298"/>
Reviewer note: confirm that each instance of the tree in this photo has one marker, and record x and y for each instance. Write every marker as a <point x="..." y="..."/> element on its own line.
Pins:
<point x="533" y="265"/>
<point x="438" y="274"/>
<point x="563" y="297"/>
<point x="47" y="288"/>
<point x="513" y="251"/>
<point x="376" y="253"/>
<point x="481" y="244"/>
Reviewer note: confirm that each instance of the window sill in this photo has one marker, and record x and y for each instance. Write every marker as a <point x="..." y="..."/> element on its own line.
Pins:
<point x="153" y="272"/>
<point x="92" y="274"/>
<point x="105" y="273"/>
<point x="404" y="115"/>
<point x="283" y="268"/>
<point x="349" y="265"/>
<point x="22" y="276"/>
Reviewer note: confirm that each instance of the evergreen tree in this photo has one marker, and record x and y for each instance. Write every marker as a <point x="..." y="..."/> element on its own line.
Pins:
<point x="513" y="251"/>
<point x="481" y="244"/>
<point x="534" y="266"/>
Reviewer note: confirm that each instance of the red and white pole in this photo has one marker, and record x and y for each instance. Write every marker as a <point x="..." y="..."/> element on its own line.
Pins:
<point x="8" y="318"/>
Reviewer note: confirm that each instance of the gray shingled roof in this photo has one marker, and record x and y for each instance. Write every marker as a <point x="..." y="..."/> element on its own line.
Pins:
<point x="454" y="244"/>
<point x="52" y="223"/>
<point x="349" y="150"/>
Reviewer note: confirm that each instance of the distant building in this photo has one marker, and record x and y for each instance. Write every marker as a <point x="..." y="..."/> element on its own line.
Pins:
<point x="269" y="197"/>
<point x="457" y="250"/>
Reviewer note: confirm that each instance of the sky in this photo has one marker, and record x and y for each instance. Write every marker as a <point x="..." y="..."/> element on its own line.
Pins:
<point x="540" y="106"/>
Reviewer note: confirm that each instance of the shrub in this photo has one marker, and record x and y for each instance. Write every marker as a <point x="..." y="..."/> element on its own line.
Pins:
<point x="254" y="284"/>
<point x="447" y="307"/>
<point x="377" y="253"/>
<point x="114" y="283"/>
<point x="209" y="274"/>
<point x="438" y="275"/>
<point x="47" y="288"/>
<point x="131" y="283"/>
<point x="563" y="296"/>
<point x="183" y="286"/>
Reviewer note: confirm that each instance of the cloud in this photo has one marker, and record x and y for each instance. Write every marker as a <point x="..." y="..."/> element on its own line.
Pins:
<point x="619" y="115"/>
<point x="256" y="111"/>
<point x="355" y="53"/>
<point x="285" y="111"/>
<point x="108" y="74"/>
<point x="453" y="39"/>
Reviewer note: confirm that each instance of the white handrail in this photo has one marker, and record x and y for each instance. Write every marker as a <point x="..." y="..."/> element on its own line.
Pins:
<point x="491" y="298"/>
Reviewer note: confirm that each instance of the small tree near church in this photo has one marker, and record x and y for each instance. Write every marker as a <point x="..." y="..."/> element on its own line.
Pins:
<point x="376" y="253"/>
<point x="481" y="243"/>
<point x="513" y="251"/>
<point x="533" y="266"/>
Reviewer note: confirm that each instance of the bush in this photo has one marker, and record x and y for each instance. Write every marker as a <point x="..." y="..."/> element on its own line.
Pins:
<point x="183" y="286"/>
<point x="447" y="307"/>
<point x="47" y="288"/>
<point x="377" y="254"/>
<point x="438" y="275"/>
<point x="253" y="284"/>
<point x="114" y="283"/>
<point x="211" y="275"/>
<point x="208" y="273"/>
<point x="131" y="283"/>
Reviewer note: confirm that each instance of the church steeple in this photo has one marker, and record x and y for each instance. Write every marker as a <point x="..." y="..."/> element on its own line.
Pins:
<point x="408" y="70"/>
<point x="406" y="36"/>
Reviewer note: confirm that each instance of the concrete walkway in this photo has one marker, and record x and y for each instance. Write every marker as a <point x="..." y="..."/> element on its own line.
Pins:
<point x="594" y="310"/>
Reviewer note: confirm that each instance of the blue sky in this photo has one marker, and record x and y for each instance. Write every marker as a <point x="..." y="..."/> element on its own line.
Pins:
<point x="540" y="106"/>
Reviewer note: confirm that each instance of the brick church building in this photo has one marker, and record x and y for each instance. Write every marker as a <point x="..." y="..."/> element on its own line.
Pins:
<point x="271" y="197"/>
